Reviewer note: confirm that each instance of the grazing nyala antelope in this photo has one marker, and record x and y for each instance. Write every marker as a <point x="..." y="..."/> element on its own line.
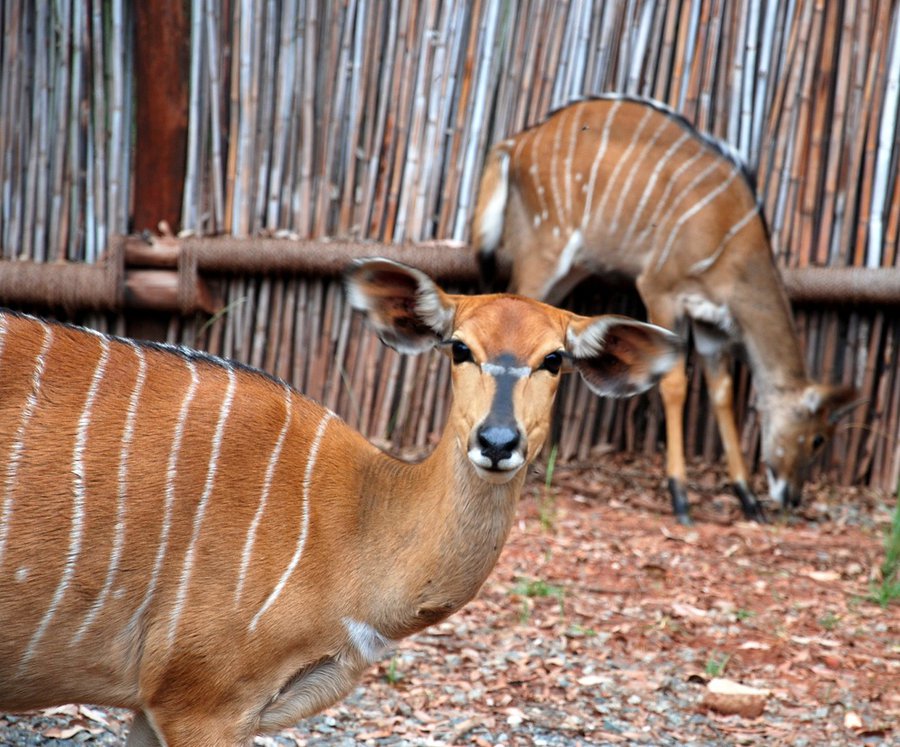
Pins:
<point x="626" y="187"/>
<point x="193" y="539"/>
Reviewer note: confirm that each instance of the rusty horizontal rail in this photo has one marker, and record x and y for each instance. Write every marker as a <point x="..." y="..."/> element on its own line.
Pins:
<point x="167" y="273"/>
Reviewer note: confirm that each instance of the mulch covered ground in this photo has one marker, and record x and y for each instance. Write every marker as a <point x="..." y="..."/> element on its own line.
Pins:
<point x="605" y="621"/>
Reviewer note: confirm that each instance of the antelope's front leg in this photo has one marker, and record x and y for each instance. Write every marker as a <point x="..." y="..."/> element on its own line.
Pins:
<point x="673" y="390"/>
<point x="721" y="390"/>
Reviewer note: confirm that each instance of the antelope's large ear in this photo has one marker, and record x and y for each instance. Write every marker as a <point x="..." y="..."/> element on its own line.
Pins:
<point x="618" y="356"/>
<point x="835" y="401"/>
<point x="408" y="311"/>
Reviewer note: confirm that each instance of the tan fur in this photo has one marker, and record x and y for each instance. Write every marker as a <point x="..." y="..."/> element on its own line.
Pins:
<point x="619" y="186"/>
<point x="391" y="547"/>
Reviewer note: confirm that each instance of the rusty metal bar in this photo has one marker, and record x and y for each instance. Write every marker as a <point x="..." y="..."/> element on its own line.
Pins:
<point x="449" y="261"/>
<point x="165" y="273"/>
<point x="844" y="285"/>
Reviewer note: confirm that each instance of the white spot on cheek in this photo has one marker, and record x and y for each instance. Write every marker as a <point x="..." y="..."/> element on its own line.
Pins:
<point x="21" y="575"/>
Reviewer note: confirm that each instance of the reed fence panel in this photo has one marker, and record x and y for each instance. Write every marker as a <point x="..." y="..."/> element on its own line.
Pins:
<point x="365" y="120"/>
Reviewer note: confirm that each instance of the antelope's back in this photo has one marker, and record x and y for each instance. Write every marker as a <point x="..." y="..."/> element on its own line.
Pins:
<point x="144" y="489"/>
<point x="628" y="178"/>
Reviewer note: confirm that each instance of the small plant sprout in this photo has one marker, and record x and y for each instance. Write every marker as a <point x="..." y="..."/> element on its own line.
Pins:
<point x="532" y="589"/>
<point x="829" y="621"/>
<point x="547" y="508"/>
<point x="716" y="663"/>
<point x="579" y="631"/>
<point x="889" y="588"/>
<point x="392" y="674"/>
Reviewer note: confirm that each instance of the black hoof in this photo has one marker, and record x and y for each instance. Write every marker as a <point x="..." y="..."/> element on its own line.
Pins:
<point x="680" y="506"/>
<point x="752" y="508"/>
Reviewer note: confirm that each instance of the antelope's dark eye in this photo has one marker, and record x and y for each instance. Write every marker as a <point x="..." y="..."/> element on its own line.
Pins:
<point x="818" y="441"/>
<point x="460" y="352"/>
<point x="552" y="362"/>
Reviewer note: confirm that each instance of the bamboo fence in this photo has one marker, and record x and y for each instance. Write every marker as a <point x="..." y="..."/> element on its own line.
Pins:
<point x="369" y="120"/>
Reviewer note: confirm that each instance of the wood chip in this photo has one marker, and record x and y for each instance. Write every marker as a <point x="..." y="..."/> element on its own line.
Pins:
<point x="729" y="697"/>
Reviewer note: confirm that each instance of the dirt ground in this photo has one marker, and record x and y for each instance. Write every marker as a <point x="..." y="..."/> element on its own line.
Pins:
<point x="605" y="622"/>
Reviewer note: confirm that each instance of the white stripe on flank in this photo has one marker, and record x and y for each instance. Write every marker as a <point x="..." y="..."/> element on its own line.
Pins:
<point x="171" y="475"/>
<point x="543" y="213"/>
<point x="635" y="169"/>
<point x="601" y="151"/>
<point x="79" y="491"/>
<point x="119" y="536"/>
<point x="620" y="164"/>
<point x="576" y="120"/>
<point x="304" y="523"/>
<point x="3" y="325"/>
<point x="663" y="204"/>
<point x="703" y="265"/>
<point x="691" y="212"/>
<point x="554" y="170"/>
<point x="651" y="185"/>
<point x="188" y="567"/>
<point x="264" y="498"/>
<point x="15" y="455"/>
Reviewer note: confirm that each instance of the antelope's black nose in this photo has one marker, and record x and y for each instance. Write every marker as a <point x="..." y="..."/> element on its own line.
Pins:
<point x="498" y="442"/>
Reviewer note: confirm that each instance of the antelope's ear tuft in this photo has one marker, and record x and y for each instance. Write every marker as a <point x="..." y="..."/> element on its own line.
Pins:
<point x="618" y="356"/>
<point x="408" y="311"/>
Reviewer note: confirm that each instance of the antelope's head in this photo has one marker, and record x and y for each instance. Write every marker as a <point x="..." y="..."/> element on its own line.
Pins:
<point x="795" y="427"/>
<point x="507" y="354"/>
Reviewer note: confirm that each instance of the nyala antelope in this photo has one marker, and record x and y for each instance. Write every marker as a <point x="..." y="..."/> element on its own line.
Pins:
<point x="193" y="539"/>
<point x="626" y="187"/>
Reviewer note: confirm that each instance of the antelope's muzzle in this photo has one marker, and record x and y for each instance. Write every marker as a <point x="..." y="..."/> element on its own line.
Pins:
<point x="498" y="445"/>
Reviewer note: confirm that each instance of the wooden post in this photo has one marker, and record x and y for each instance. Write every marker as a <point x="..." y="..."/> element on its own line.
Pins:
<point x="161" y="65"/>
<point x="161" y="60"/>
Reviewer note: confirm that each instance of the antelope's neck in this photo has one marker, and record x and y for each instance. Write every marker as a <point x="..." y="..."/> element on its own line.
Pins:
<point x="775" y="357"/>
<point x="761" y="308"/>
<point x="430" y="534"/>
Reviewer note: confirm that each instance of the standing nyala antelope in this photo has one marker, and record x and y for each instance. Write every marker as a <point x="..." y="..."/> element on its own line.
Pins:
<point x="626" y="187"/>
<point x="193" y="539"/>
